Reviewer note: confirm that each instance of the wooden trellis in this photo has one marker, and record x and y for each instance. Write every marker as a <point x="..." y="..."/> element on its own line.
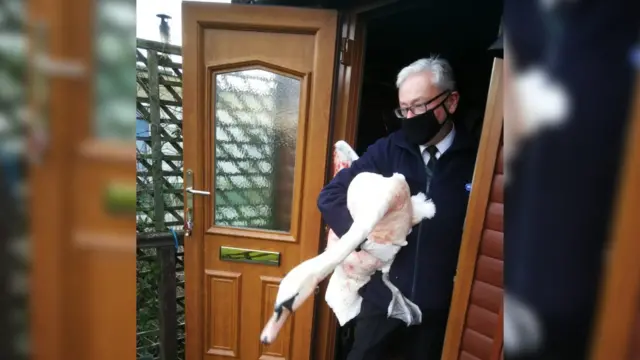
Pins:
<point x="160" y="200"/>
<point x="159" y="102"/>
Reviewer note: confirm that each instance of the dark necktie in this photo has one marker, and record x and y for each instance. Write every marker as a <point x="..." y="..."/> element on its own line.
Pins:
<point x="431" y="165"/>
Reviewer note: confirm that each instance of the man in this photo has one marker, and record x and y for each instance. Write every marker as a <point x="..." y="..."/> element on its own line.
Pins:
<point x="435" y="156"/>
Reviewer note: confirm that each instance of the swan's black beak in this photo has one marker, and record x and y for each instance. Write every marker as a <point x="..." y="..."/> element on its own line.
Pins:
<point x="278" y="312"/>
<point x="287" y="304"/>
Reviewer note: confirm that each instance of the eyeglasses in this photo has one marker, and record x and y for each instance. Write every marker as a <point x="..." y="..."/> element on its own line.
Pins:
<point x="418" y="109"/>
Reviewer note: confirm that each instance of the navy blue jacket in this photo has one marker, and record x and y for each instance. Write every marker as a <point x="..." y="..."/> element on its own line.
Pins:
<point x="563" y="182"/>
<point x="424" y="269"/>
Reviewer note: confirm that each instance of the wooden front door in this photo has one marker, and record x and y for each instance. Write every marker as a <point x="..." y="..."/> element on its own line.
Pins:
<point x="257" y="98"/>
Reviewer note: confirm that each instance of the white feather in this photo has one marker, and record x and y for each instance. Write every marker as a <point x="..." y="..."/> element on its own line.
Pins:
<point x="422" y="208"/>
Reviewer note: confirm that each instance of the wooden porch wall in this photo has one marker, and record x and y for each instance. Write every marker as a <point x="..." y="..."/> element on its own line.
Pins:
<point x="482" y="332"/>
<point x="474" y="331"/>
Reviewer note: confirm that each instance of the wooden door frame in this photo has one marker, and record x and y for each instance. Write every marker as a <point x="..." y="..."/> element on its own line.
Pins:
<point x="620" y="295"/>
<point x="344" y="124"/>
<point x="476" y="212"/>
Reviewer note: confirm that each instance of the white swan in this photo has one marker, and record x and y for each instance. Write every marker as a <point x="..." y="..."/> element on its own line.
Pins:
<point x="383" y="221"/>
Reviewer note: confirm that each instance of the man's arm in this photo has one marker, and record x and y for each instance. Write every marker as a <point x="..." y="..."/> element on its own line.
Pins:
<point x="332" y="200"/>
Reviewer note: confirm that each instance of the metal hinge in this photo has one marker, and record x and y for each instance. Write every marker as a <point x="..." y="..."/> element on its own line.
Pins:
<point x="346" y="53"/>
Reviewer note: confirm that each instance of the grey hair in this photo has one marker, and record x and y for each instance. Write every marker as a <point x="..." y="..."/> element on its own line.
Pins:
<point x="439" y="68"/>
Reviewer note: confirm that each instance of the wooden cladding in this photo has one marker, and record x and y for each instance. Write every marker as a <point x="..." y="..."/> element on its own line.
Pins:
<point x="474" y="329"/>
<point x="482" y="332"/>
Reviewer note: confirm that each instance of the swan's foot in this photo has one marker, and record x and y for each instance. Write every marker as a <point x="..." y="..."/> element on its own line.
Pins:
<point x="400" y="307"/>
<point x="403" y="309"/>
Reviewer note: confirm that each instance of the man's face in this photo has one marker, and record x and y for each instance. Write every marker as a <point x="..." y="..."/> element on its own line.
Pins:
<point x="418" y="89"/>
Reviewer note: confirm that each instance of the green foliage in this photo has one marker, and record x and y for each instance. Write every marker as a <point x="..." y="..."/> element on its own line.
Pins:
<point x="148" y="310"/>
<point x="148" y="275"/>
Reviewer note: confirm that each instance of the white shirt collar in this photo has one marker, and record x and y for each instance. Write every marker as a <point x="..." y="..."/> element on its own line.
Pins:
<point x="444" y="144"/>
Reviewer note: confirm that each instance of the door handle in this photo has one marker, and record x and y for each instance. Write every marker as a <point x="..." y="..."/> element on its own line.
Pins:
<point x="192" y="191"/>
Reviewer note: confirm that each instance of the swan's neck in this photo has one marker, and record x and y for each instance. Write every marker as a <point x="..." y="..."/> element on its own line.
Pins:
<point x="327" y="262"/>
<point x="336" y="254"/>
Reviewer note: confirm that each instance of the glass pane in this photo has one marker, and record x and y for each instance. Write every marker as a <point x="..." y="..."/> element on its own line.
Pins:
<point x="256" y="125"/>
<point x="115" y="82"/>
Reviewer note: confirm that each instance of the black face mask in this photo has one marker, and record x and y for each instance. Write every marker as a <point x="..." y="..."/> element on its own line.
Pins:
<point x="420" y="129"/>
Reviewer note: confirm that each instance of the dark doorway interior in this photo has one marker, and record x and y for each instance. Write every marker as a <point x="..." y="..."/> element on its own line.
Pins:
<point x="460" y="31"/>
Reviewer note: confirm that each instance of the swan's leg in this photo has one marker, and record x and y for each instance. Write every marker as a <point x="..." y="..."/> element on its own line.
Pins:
<point x="400" y="307"/>
<point x="396" y="309"/>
